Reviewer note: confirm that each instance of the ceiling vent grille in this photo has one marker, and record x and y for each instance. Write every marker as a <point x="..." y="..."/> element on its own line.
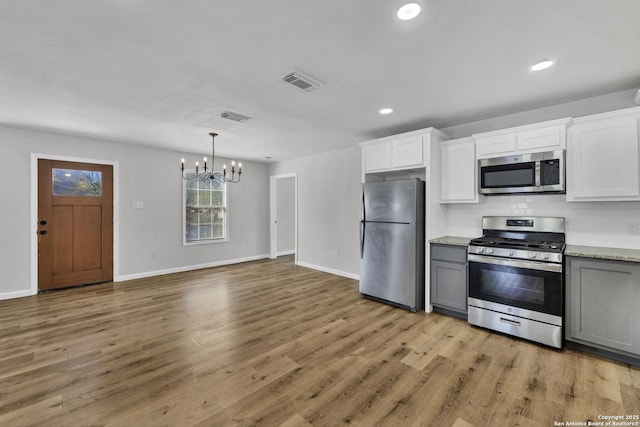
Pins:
<point x="236" y="117"/>
<point x="299" y="80"/>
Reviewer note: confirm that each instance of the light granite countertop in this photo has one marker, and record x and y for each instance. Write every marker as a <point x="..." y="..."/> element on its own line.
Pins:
<point x="451" y="240"/>
<point x="597" y="252"/>
<point x="614" y="254"/>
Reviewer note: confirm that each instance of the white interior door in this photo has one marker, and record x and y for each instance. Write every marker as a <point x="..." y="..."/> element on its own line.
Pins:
<point x="284" y="215"/>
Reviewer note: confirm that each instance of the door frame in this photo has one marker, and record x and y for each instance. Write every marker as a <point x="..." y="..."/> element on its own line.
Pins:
<point x="272" y="213"/>
<point x="34" y="211"/>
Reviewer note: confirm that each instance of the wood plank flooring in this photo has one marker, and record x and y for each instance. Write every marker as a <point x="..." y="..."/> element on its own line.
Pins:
<point x="269" y="343"/>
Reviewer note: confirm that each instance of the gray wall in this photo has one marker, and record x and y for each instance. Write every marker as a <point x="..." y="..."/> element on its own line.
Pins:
<point x="285" y="215"/>
<point x="328" y="208"/>
<point x="145" y="174"/>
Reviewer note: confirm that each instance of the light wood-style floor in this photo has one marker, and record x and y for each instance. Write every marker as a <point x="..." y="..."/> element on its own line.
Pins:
<point x="269" y="343"/>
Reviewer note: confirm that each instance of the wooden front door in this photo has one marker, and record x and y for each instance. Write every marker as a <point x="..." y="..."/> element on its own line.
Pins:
<point x="75" y="224"/>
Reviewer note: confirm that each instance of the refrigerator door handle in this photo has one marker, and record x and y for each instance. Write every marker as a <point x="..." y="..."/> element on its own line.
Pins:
<point x="362" y="225"/>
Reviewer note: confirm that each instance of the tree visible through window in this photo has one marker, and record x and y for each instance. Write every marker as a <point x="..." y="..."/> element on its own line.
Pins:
<point x="205" y="207"/>
<point x="73" y="182"/>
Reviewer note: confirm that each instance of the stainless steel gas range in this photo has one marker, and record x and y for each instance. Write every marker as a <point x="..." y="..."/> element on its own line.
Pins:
<point x="516" y="280"/>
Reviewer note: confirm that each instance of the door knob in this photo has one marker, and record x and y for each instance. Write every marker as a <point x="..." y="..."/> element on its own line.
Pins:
<point x="43" y="231"/>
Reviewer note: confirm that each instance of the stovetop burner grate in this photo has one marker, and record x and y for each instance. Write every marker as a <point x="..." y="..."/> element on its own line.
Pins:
<point x="518" y="243"/>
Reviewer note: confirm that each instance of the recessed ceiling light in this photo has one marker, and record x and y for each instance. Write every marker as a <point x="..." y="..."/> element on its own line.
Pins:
<point x="386" y="110"/>
<point x="408" y="11"/>
<point x="542" y="65"/>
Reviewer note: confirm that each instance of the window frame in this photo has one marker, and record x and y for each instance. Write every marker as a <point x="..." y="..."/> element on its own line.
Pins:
<point x="186" y="242"/>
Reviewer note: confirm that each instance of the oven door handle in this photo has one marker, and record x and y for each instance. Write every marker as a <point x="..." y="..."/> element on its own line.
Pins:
<point x="531" y="265"/>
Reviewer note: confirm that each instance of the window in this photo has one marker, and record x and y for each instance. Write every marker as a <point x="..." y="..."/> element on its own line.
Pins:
<point x="73" y="182"/>
<point x="205" y="211"/>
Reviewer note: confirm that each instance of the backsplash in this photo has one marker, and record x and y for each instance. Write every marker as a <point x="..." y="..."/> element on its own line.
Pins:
<point x="606" y="224"/>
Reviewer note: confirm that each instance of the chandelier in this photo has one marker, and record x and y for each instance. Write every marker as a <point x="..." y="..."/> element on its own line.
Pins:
<point x="205" y="174"/>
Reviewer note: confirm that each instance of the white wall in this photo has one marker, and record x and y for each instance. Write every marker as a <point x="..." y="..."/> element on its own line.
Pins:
<point x="587" y="223"/>
<point x="328" y="209"/>
<point x="145" y="174"/>
<point x="285" y="215"/>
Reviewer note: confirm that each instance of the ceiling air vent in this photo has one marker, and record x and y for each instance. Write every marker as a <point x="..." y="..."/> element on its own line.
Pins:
<point x="299" y="80"/>
<point x="236" y="117"/>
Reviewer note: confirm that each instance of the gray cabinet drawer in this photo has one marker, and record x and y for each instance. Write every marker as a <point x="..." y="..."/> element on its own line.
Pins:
<point x="449" y="253"/>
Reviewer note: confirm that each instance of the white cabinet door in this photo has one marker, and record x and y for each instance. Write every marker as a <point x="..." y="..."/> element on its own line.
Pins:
<point x="458" y="171"/>
<point x="537" y="137"/>
<point x="603" y="160"/>
<point x="408" y="152"/>
<point x="541" y="139"/>
<point x="377" y="157"/>
<point x="496" y="145"/>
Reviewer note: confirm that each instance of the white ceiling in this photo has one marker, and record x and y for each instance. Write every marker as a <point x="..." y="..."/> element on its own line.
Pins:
<point x="159" y="72"/>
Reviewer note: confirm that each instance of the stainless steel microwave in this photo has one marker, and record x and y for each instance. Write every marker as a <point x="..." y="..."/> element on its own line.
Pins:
<point x="523" y="173"/>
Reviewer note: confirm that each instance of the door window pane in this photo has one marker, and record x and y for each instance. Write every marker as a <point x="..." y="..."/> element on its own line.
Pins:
<point x="73" y="182"/>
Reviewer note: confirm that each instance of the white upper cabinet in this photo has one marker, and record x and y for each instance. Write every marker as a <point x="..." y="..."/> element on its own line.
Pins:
<point x="458" y="171"/>
<point x="496" y="145"/>
<point x="400" y="152"/>
<point x="408" y="152"/>
<point x="603" y="157"/>
<point x="545" y="136"/>
<point x="377" y="157"/>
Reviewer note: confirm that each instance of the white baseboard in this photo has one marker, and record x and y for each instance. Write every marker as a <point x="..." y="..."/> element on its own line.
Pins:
<point x="329" y="270"/>
<point x="15" y="294"/>
<point x="126" y="277"/>
<point x="291" y="252"/>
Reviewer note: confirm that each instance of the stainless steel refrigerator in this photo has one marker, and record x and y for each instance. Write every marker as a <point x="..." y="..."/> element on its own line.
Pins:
<point x="392" y="243"/>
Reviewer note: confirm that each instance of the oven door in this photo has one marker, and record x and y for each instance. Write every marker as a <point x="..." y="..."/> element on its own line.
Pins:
<point x="500" y="176"/>
<point x="529" y="285"/>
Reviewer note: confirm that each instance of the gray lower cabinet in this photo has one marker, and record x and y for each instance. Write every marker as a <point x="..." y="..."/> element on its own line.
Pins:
<point x="603" y="304"/>
<point x="449" y="277"/>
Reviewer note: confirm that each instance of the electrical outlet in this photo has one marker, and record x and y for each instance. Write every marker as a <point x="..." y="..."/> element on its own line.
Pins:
<point x="154" y="255"/>
<point x="335" y="254"/>
<point x="634" y="229"/>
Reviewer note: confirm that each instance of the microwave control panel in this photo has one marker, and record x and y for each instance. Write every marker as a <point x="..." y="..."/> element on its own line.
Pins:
<point x="550" y="172"/>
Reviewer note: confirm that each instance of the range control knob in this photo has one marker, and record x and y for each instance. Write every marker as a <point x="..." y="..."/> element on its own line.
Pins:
<point x="545" y="256"/>
<point x="480" y="250"/>
<point x="532" y="255"/>
<point x="512" y="253"/>
<point x="489" y="250"/>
